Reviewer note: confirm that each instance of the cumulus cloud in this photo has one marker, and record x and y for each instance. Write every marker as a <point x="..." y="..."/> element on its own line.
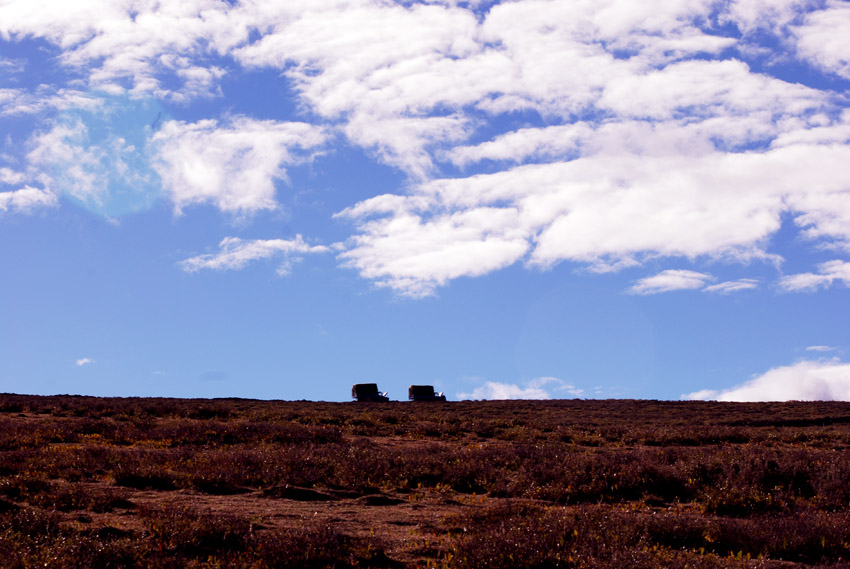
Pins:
<point x="382" y="68"/>
<point x="121" y="45"/>
<point x="661" y="140"/>
<point x="802" y="381"/>
<point x="612" y="208"/>
<point x="414" y="258"/>
<point x="9" y="176"/>
<point x="232" y="165"/>
<point x="84" y="361"/>
<point x="824" y="38"/>
<point x="541" y="388"/>
<point x="751" y="15"/>
<point x="403" y="77"/>
<point x="829" y="273"/>
<point x="682" y="165"/>
<point x="235" y="253"/>
<point x="26" y="199"/>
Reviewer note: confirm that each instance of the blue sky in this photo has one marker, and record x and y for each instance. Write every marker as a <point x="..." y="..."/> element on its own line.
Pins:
<point x="504" y="199"/>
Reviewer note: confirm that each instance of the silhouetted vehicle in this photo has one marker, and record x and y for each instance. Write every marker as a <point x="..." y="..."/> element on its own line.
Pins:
<point x="368" y="392"/>
<point x="424" y="393"/>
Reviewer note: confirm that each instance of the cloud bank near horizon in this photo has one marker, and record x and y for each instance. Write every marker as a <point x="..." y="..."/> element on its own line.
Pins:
<point x="540" y="388"/>
<point x="803" y="381"/>
<point x="671" y="134"/>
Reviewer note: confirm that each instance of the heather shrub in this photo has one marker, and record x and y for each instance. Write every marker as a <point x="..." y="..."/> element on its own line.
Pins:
<point x="192" y="534"/>
<point x="587" y="483"/>
<point x="602" y="536"/>
<point x="65" y="496"/>
<point x="316" y="546"/>
<point x="519" y="537"/>
<point x="831" y="482"/>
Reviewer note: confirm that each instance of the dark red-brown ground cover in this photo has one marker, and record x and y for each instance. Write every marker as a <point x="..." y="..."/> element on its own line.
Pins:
<point x="92" y="482"/>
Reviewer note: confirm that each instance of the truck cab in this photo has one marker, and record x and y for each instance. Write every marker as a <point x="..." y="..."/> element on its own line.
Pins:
<point x="424" y="393"/>
<point x="368" y="392"/>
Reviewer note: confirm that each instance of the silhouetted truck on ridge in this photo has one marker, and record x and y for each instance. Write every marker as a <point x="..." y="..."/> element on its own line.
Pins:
<point x="424" y="393"/>
<point x="368" y="392"/>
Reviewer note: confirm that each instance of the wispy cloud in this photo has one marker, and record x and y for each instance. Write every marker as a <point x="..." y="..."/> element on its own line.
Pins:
<point x="235" y="253"/>
<point x="803" y="381"/>
<point x="84" y="361"/>
<point x="80" y="166"/>
<point x="821" y="349"/>
<point x="680" y="279"/>
<point x="541" y="388"/>
<point x="11" y="66"/>
<point x="17" y="102"/>
<point x="670" y="280"/>
<point x="730" y="287"/>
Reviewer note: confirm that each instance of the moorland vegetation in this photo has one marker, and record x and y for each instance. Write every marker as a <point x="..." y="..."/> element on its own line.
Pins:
<point x="138" y="482"/>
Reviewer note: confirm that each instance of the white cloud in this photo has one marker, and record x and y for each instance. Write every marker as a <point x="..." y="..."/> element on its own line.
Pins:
<point x="614" y="207"/>
<point x="681" y="279"/>
<point x="701" y="395"/>
<point x="402" y="142"/>
<point x="232" y="166"/>
<point x="414" y="258"/>
<point x="383" y="68"/>
<point x="829" y="273"/>
<point x="105" y="169"/>
<point x="15" y="102"/>
<point x="84" y="361"/>
<point x="401" y="74"/>
<point x="540" y="388"/>
<point x="525" y="143"/>
<point x="66" y="152"/>
<point x="705" y="88"/>
<point x="235" y="254"/>
<point x="136" y="44"/>
<point x="803" y="381"/>
<point x="823" y="216"/>
<point x="824" y="38"/>
<point x="750" y="15"/>
<point x="653" y="136"/>
<point x="11" y="66"/>
<point x="820" y="349"/>
<point x="26" y="199"/>
<point x="670" y="280"/>
<point x="9" y="176"/>
<point x="681" y="166"/>
<point x="728" y="287"/>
